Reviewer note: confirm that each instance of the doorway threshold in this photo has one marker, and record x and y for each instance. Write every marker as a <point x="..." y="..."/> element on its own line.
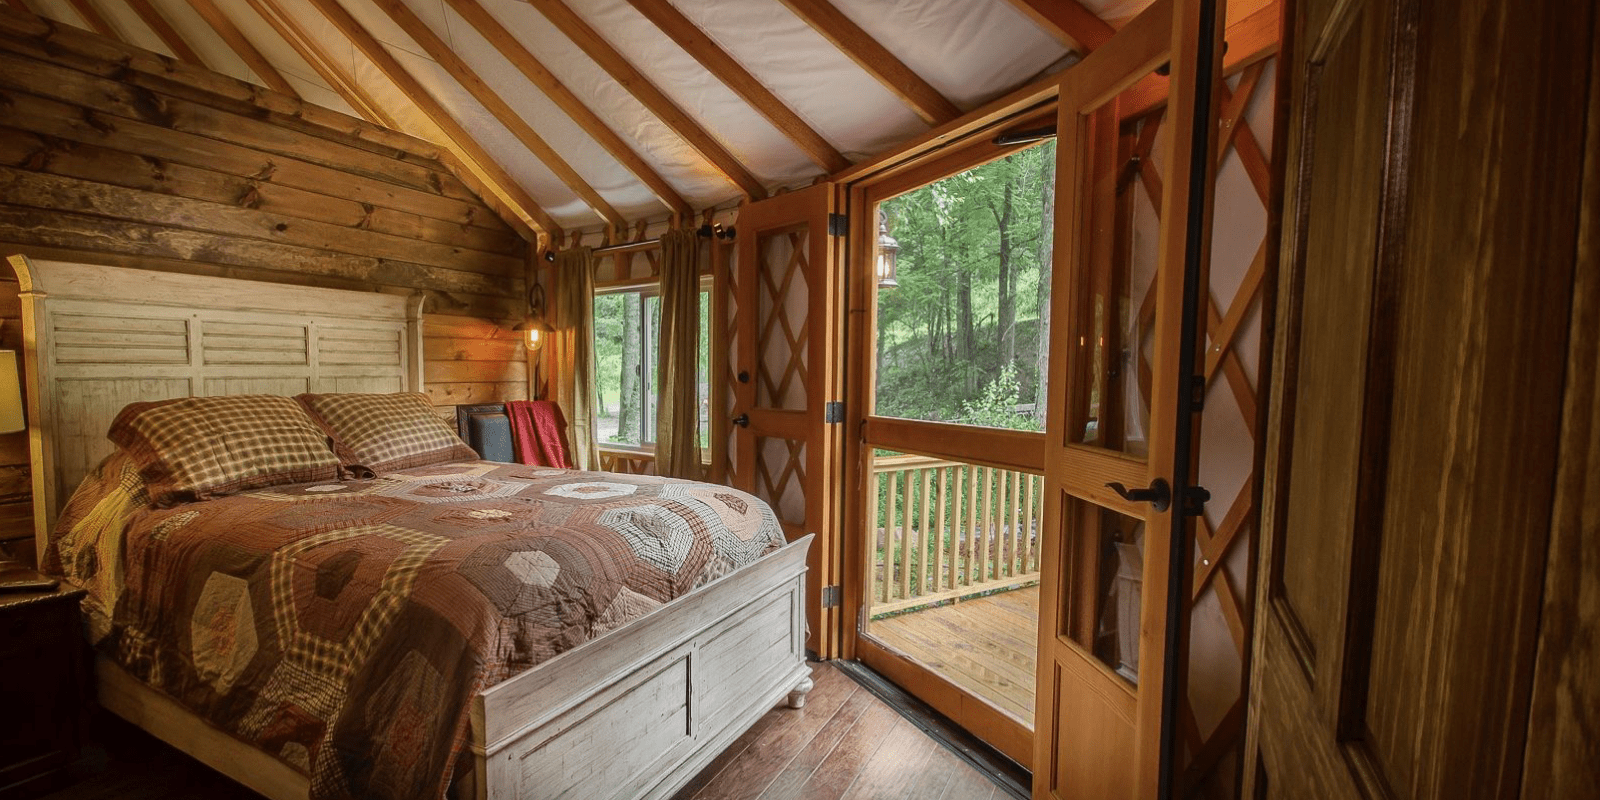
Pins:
<point x="1010" y="776"/>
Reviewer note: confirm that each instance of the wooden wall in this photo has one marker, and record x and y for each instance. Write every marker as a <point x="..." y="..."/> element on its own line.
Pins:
<point x="114" y="155"/>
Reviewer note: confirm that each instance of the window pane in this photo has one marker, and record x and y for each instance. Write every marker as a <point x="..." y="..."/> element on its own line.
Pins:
<point x="619" y="376"/>
<point x="962" y="333"/>
<point x="703" y="372"/>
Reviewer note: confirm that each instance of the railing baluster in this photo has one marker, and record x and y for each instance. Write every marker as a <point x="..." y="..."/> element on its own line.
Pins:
<point x="940" y="582"/>
<point x="874" y="506"/>
<point x="984" y="556"/>
<point x="971" y="525"/>
<point x="1016" y="522"/>
<point x="906" y="512"/>
<point x="924" y="547"/>
<point x="1027" y="525"/>
<point x="890" y="534"/>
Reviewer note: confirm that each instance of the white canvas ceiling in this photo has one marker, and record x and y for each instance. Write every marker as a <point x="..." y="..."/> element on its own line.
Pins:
<point x="969" y="51"/>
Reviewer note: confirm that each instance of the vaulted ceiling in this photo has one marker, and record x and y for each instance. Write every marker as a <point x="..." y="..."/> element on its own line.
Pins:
<point x="583" y="113"/>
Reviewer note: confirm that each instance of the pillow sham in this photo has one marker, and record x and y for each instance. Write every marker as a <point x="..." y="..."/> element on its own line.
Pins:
<point x="194" y="448"/>
<point x="386" y="432"/>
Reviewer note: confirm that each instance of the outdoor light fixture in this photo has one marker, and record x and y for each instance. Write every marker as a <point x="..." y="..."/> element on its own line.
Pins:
<point x="888" y="252"/>
<point x="533" y="328"/>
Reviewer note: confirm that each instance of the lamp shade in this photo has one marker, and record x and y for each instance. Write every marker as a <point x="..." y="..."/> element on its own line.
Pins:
<point x="11" y="419"/>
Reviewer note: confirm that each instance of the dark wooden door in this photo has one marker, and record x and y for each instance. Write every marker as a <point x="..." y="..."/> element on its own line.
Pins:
<point x="1416" y="441"/>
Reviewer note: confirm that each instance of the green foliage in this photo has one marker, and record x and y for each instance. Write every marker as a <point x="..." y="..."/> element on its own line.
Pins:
<point x="996" y="407"/>
<point x="962" y="332"/>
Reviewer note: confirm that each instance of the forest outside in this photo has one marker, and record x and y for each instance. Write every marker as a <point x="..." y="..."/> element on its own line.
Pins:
<point x="625" y="338"/>
<point x="963" y="335"/>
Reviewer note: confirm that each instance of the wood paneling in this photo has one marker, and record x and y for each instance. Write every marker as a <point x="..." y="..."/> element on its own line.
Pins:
<point x="114" y="155"/>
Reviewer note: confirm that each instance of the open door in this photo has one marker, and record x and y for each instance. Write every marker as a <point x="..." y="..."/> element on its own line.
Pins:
<point x="1120" y="439"/>
<point x="787" y="329"/>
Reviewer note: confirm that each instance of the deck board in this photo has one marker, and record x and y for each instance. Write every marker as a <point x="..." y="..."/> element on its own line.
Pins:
<point x="986" y="645"/>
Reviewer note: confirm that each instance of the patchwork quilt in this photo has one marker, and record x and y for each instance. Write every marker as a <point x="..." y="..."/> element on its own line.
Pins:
<point x="343" y="627"/>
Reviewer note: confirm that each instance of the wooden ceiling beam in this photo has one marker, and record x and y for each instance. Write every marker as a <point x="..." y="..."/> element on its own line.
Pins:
<point x="727" y="69"/>
<point x="342" y="83"/>
<point x="96" y="21"/>
<point x="602" y="53"/>
<point x="918" y="94"/>
<point x="19" y="5"/>
<point x="1068" y="22"/>
<point x="163" y="30"/>
<point x="458" y="139"/>
<point x="498" y="108"/>
<point x="241" y="45"/>
<point x="537" y="74"/>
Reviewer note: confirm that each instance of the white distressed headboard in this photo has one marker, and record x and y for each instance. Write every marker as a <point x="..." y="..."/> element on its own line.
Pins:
<point x="97" y="338"/>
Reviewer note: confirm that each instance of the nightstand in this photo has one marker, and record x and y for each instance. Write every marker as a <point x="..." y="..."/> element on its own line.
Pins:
<point x="43" y="671"/>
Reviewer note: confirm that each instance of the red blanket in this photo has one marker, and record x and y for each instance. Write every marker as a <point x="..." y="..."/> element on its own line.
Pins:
<point x="539" y="433"/>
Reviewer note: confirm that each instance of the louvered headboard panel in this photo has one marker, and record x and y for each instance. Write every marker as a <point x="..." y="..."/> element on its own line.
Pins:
<point x="98" y="338"/>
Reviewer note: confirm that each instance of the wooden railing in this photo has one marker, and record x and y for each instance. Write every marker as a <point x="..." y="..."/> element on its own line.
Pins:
<point x="947" y="530"/>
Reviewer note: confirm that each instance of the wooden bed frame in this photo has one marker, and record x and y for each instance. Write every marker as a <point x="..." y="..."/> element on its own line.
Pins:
<point x="642" y="708"/>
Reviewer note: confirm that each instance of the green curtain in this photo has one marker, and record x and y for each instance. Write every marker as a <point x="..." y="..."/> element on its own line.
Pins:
<point x="572" y="348"/>
<point x="677" y="381"/>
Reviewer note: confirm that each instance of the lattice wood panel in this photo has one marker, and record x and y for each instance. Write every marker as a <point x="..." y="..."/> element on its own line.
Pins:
<point x="781" y="340"/>
<point x="1221" y="543"/>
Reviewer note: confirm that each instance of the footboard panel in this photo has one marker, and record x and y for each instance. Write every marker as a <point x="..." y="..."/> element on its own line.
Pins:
<point x="637" y="712"/>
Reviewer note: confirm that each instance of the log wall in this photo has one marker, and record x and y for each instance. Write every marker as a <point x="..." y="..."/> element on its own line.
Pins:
<point x="111" y="154"/>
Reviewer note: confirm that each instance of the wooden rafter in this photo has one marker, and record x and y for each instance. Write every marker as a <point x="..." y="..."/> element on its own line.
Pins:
<point x="1068" y="22"/>
<point x="536" y="73"/>
<point x="613" y="62"/>
<point x="498" y="107"/>
<point x="471" y="154"/>
<point x="20" y="5"/>
<point x="345" y="85"/>
<point x="845" y="34"/>
<point x="240" y="44"/>
<point x="727" y="69"/>
<point x="163" y="30"/>
<point x="96" y="21"/>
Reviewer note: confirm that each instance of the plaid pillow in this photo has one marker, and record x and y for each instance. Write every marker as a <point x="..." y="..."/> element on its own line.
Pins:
<point x="194" y="448"/>
<point x="386" y="432"/>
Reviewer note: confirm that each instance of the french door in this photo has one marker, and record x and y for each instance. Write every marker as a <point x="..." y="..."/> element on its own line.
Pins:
<point x="1120" y="447"/>
<point x="788" y="327"/>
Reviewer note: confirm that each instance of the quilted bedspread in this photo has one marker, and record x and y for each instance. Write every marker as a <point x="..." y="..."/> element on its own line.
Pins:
<point x="344" y="627"/>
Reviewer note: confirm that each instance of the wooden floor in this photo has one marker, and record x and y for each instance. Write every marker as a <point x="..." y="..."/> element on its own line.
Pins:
<point x="987" y="645"/>
<point x="846" y="743"/>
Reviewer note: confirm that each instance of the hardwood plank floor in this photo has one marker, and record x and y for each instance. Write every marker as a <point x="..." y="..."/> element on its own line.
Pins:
<point x="846" y="743"/>
<point x="987" y="645"/>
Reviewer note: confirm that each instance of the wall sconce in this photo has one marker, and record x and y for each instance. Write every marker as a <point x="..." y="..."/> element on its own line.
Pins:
<point x="888" y="253"/>
<point x="533" y="328"/>
<point x="11" y="419"/>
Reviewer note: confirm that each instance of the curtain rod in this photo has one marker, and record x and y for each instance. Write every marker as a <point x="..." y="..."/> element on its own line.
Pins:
<point x="630" y="247"/>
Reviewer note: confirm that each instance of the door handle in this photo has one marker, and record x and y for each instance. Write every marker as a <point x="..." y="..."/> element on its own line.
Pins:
<point x="1158" y="494"/>
<point x="743" y="420"/>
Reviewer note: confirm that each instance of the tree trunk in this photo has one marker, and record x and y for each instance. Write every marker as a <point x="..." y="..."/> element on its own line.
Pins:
<point x="1006" y="318"/>
<point x="628" y="407"/>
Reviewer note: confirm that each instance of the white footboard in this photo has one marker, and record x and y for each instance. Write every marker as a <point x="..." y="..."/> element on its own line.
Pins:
<point x="638" y="712"/>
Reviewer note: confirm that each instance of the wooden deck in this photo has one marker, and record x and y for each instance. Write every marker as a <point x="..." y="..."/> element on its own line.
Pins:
<point x="986" y="645"/>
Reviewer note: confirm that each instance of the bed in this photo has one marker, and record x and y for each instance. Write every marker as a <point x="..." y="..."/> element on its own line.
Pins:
<point x="634" y="707"/>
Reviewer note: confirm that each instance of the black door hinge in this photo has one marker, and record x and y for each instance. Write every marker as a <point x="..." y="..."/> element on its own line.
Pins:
<point x="833" y="412"/>
<point x="838" y="225"/>
<point x="831" y="596"/>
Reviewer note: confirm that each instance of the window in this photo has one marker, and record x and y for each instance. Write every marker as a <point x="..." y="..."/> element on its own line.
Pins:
<point x="626" y="338"/>
<point x="962" y="324"/>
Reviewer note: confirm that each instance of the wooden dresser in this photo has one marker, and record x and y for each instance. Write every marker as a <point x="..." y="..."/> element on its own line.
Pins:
<point x="43" y="679"/>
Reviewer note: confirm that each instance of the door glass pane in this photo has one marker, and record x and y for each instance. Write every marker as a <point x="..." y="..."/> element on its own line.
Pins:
<point x="1113" y="323"/>
<point x="1106" y="564"/>
<point x="954" y="578"/>
<point x="962" y="330"/>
